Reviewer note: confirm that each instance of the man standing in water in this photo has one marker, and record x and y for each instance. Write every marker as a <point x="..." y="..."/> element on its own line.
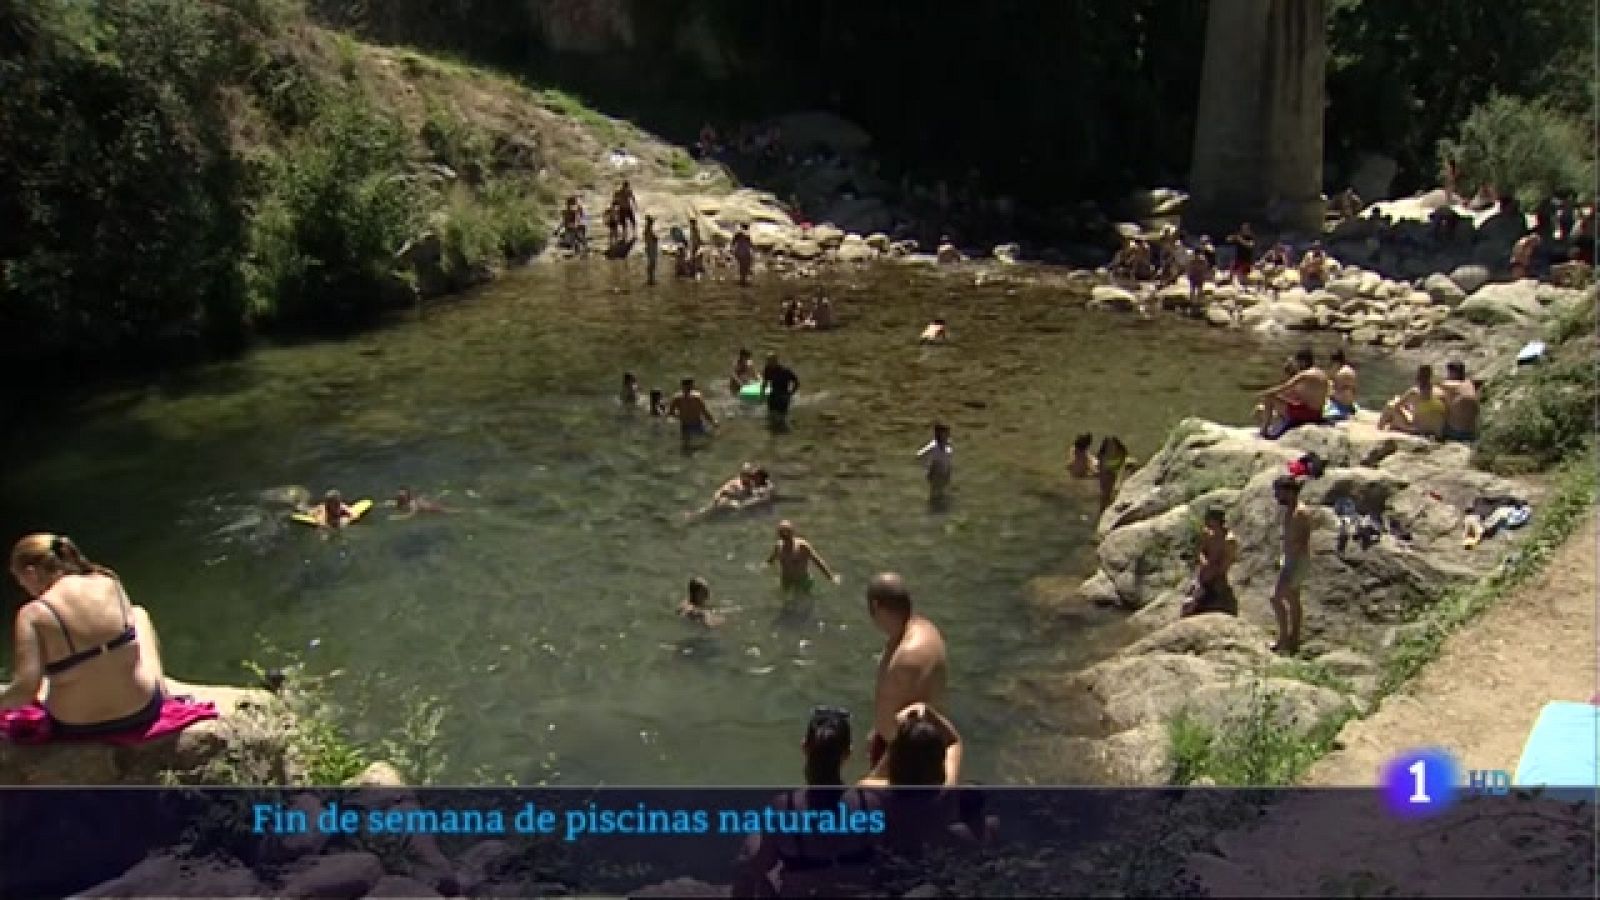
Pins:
<point x="913" y="666"/>
<point x="1296" y="548"/>
<point x="689" y="408"/>
<point x="744" y="253"/>
<point x="779" y="384"/>
<point x="652" y="249"/>
<point x="795" y="556"/>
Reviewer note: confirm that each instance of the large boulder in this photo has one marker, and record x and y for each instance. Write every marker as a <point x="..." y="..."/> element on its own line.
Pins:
<point x="249" y="739"/>
<point x="1114" y="297"/>
<point x="1286" y="314"/>
<point x="1512" y="303"/>
<point x="1442" y="290"/>
<point x="1470" y="277"/>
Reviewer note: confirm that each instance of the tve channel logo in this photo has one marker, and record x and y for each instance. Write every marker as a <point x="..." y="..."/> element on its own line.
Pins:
<point x="1423" y="783"/>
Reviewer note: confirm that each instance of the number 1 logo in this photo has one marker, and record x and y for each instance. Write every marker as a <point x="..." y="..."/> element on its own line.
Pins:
<point x="1421" y="783"/>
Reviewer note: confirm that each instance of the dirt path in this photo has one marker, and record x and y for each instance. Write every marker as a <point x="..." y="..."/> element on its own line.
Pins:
<point x="1479" y="699"/>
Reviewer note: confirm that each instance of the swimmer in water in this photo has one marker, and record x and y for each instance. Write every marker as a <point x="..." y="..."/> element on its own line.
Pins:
<point x="795" y="556"/>
<point x="658" y="403"/>
<point x="629" y="396"/>
<point x="822" y="314"/>
<point x="937" y="454"/>
<point x="689" y="408"/>
<point x="744" y="371"/>
<point x="1080" y="464"/>
<point x="332" y="513"/>
<point x="407" y="504"/>
<point x="935" y="333"/>
<point x="696" y="607"/>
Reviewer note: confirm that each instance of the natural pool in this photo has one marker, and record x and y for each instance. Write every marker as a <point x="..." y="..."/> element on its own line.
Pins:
<point x="541" y="614"/>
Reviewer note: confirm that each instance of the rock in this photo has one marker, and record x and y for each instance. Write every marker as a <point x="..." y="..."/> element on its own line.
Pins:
<point x="881" y="243"/>
<point x="1496" y="304"/>
<point x="1149" y="556"/>
<point x="1173" y="296"/>
<point x="250" y="736"/>
<point x="1284" y="313"/>
<point x="170" y="876"/>
<point x="827" y="235"/>
<point x="336" y="875"/>
<point x="1444" y="290"/>
<point x="1219" y="317"/>
<point x="1008" y="253"/>
<point x="1114" y="297"/>
<point x="804" y="249"/>
<point x="1370" y="285"/>
<point x="681" y="887"/>
<point x="854" y="249"/>
<point x="400" y="886"/>
<point x="1366" y="334"/>
<point x="1345" y="288"/>
<point x="378" y="775"/>
<point x="483" y="862"/>
<point x="278" y="848"/>
<point x="1417" y="299"/>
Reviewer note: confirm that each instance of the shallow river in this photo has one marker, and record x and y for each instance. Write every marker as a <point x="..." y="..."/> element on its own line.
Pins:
<point x="541" y="615"/>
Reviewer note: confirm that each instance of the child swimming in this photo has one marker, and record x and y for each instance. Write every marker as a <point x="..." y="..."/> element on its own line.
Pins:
<point x="697" y="606"/>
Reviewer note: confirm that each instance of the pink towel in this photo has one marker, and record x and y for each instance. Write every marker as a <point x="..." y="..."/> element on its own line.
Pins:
<point x="31" y="724"/>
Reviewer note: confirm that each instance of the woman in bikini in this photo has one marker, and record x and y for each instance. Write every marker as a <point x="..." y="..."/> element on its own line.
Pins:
<point x="78" y="638"/>
<point x="814" y="865"/>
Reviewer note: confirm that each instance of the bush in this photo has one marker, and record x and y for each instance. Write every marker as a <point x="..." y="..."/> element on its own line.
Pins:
<point x="1255" y="750"/>
<point x="1524" y="147"/>
<point x="338" y="208"/>
<point x="1539" y="416"/>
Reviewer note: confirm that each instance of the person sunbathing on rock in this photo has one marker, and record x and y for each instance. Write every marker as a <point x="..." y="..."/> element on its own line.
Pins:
<point x="1299" y="400"/>
<point x="83" y="650"/>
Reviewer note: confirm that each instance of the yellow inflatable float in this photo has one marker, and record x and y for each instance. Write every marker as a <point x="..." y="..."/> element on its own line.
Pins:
<point x="315" y="517"/>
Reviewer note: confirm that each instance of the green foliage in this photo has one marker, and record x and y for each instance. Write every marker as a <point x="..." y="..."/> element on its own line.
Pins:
<point x="681" y="165"/>
<point x="1569" y="504"/>
<point x="335" y="213"/>
<point x="1538" y="416"/>
<point x="1310" y="672"/>
<point x="518" y="213"/>
<point x="117" y="186"/>
<point x="1523" y="147"/>
<point x="455" y="142"/>
<point x="1253" y="750"/>
<point x="1403" y="75"/>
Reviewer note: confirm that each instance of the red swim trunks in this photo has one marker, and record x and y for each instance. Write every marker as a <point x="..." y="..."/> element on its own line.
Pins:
<point x="1301" y="414"/>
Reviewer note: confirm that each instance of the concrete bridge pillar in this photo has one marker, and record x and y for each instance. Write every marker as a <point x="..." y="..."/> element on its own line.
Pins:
<point x="1259" y="136"/>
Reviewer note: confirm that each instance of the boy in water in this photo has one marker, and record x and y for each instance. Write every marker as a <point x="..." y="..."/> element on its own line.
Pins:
<point x="658" y="403"/>
<point x="697" y="607"/>
<point x="937" y="454"/>
<point x="407" y="504"/>
<point x="332" y="513"/>
<point x="630" y="391"/>
<point x="1080" y="464"/>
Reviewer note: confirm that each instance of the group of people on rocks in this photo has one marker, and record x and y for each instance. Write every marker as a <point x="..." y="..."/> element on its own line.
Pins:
<point x="1445" y="410"/>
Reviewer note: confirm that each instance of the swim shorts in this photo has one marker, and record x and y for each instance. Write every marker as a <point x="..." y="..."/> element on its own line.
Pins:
<point x="1291" y="576"/>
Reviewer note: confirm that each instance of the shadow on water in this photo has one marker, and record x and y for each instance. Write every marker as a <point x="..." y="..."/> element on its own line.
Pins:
<point x="537" y="615"/>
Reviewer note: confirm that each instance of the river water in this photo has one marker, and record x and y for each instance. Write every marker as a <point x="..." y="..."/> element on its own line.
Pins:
<point x="540" y="615"/>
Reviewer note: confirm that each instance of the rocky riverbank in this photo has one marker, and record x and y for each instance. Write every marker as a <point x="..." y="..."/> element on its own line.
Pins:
<point x="1359" y="595"/>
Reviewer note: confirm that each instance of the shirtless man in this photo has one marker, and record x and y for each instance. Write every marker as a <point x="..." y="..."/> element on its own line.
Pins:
<point x="1296" y="524"/>
<point x="1461" y="404"/>
<point x="627" y="207"/>
<point x="1200" y="272"/>
<point x="689" y="408"/>
<point x="696" y="607"/>
<point x="697" y="249"/>
<point x="1343" y="399"/>
<point x="1217" y="550"/>
<point x="913" y="666"/>
<point x="1244" y="253"/>
<point x="1420" y="410"/>
<point x="1522" y="255"/>
<point x="1314" y="268"/>
<point x="744" y="253"/>
<point x="822" y="314"/>
<point x="948" y="253"/>
<point x="1298" y="400"/>
<point x="934" y="333"/>
<point x="795" y="556"/>
<point x="652" y="249"/>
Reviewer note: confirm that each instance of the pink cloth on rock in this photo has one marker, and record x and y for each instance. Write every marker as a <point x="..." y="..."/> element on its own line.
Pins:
<point x="32" y="725"/>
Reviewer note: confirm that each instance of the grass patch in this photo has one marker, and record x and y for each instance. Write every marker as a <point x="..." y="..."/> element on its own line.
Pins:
<point x="681" y="164"/>
<point x="563" y="103"/>
<point x="1254" y="750"/>
<point x="576" y="170"/>
<point x="1310" y="672"/>
<point x="1563" y="513"/>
